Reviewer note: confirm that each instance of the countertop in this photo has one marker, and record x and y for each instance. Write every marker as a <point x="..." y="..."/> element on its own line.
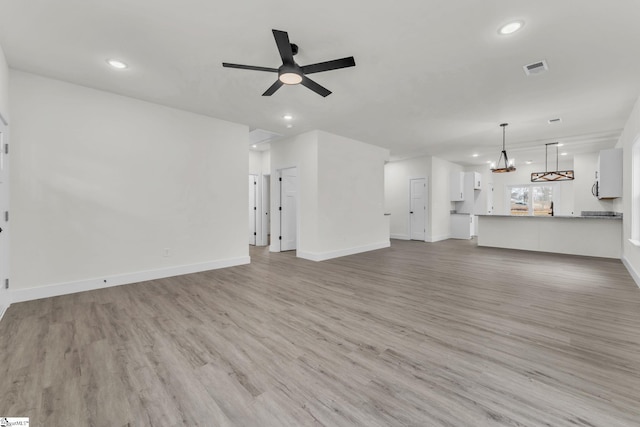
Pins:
<point x="615" y="218"/>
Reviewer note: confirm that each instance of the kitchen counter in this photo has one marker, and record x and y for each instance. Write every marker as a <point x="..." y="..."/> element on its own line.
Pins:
<point x="599" y="236"/>
<point x="606" y="217"/>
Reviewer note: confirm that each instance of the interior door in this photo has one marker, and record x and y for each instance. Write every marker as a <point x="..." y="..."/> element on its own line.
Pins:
<point x="252" y="209"/>
<point x="266" y="214"/>
<point x="4" y="217"/>
<point x="288" y="204"/>
<point x="417" y="208"/>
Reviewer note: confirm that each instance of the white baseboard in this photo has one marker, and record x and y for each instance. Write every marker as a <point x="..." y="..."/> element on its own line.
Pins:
<point x="433" y="239"/>
<point x="632" y="271"/>
<point x="323" y="256"/>
<point x="399" y="236"/>
<point x="56" y="289"/>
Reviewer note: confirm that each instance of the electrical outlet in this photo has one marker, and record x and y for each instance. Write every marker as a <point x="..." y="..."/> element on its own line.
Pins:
<point x="166" y="252"/>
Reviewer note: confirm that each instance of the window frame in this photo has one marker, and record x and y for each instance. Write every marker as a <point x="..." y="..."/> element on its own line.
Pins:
<point x="529" y="187"/>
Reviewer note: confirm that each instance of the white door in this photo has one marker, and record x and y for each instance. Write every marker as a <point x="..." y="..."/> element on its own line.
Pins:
<point x="252" y="209"/>
<point x="288" y="205"/>
<point x="266" y="203"/>
<point x="417" y="208"/>
<point x="4" y="212"/>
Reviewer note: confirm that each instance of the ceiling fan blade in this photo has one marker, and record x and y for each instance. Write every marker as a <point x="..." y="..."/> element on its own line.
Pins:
<point x="329" y="65"/>
<point x="273" y="88"/>
<point x="320" y="90"/>
<point x="284" y="46"/>
<point x="249" y="67"/>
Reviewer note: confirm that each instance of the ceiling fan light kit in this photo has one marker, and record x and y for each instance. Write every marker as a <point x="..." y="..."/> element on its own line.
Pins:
<point x="290" y="73"/>
<point x="509" y="165"/>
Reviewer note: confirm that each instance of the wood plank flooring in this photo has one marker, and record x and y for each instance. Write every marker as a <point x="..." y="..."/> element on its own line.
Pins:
<point x="440" y="334"/>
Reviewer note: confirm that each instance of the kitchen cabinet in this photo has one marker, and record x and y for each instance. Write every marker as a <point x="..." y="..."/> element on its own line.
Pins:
<point x="477" y="180"/>
<point x="457" y="186"/>
<point x="462" y="226"/>
<point x="609" y="174"/>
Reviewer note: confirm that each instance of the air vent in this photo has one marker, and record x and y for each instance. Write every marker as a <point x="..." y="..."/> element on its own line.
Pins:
<point x="556" y="120"/>
<point x="536" y="68"/>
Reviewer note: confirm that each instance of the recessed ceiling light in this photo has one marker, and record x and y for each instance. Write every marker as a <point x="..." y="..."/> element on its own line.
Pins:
<point x="289" y="126"/>
<point x="560" y="144"/>
<point x="563" y="154"/>
<point x="287" y="117"/>
<point x="529" y="162"/>
<point x="510" y="28"/>
<point x="475" y="155"/>
<point x="117" y="64"/>
<point x="254" y="146"/>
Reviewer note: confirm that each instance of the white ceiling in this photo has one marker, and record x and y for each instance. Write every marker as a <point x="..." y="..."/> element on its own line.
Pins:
<point x="432" y="76"/>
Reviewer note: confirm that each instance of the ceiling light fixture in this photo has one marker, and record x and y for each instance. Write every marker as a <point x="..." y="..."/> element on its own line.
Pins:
<point x="287" y="117"/>
<point x="556" y="175"/>
<point x="509" y="165"/>
<point x="510" y="28"/>
<point x="529" y="162"/>
<point x="289" y="126"/>
<point x="254" y="146"/>
<point x="475" y="155"/>
<point x="563" y="154"/>
<point x="117" y="64"/>
<point x="290" y="74"/>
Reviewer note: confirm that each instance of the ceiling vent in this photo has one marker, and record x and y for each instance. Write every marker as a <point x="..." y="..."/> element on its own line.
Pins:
<point x="556" y="120"/>
<point x="536" y="68"/>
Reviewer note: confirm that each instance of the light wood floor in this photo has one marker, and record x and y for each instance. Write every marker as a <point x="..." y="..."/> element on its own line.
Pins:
<point x="442" y="334"/>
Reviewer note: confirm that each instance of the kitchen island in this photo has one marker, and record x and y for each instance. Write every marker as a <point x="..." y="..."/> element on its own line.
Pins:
<point x="599" y="236"/>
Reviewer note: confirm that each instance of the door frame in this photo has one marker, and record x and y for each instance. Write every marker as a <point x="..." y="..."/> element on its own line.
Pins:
<point x="426" y="206"/>
<point x="5" y="294"/>
<point x="264" y="208"/>
<point x="276" y="216"/>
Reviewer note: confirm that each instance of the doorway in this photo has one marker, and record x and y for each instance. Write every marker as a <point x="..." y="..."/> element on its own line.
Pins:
<point x="417" y="208"/>
<point x="288" y="209"/>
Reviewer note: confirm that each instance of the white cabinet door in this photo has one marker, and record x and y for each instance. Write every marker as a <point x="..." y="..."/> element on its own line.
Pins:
<point x="457" y="186"/>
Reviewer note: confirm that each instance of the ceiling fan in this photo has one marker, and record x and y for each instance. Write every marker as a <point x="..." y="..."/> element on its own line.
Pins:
<point x="290" y="73"/>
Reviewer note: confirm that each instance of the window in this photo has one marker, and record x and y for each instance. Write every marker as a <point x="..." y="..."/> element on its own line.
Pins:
<point x="534" y="200"/>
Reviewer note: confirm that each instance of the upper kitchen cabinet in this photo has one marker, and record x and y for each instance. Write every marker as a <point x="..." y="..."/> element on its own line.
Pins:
<point x="608" y="183"/>
<point x="477" y="180"/>
<point x="457" y="186"/>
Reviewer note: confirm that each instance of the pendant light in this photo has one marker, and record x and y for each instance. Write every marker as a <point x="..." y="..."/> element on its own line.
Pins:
<point x="547" y="175"/>
<point x="509" y="165"/>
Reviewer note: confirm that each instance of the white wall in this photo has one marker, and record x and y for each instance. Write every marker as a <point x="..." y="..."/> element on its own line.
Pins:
<point x="101" y="184"/>
<point x="439" y="227"/>
<point x="439" y="205"/>
<point x="350" y="197"/>
<point x="396" y="187"/>
<point x="302" y="152"/>
<point x="340" y="194"/>
<point x="630" y="252"/>
<point x="255" y="162"/>
<point x="4" y="87"/>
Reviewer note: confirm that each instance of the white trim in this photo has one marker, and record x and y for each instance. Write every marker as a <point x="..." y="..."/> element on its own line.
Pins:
<point x="3" y="310"/>
<point x="399" y="236"/>
<point x="634" y="242"/>
<point x="323" y="256"/>
<point x="433" y="239"/>
<point x="634" y="274"/>
<point x="56" y="289"/>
